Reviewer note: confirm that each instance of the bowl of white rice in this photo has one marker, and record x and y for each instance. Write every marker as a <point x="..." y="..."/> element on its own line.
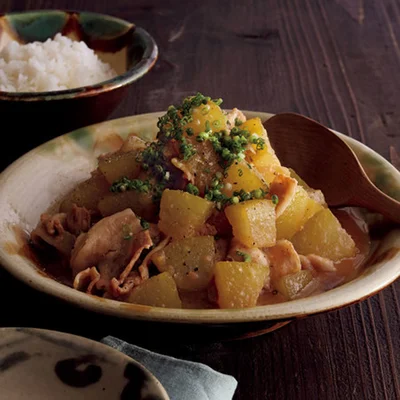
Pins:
<point x="56" y="64"/>
<point x="61" y="70"/>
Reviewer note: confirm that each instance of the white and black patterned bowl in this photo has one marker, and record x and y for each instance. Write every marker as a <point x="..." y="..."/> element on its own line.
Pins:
<point x="40" y="364"/>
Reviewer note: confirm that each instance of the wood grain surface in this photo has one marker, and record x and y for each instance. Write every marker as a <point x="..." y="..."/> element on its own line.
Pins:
<point x="337" y="61"/>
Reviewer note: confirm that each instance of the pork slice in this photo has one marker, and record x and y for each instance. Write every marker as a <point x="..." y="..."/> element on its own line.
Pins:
<point x="78" y="220"/>
<point x="236" y="250"/>
<point x="109" y="280"/>
<point x="108" y="244"/>
<point x="51" y="230"/>
<point x="129" y="279"/>
<point x="285" y="188"/>
<point x="232" y="115"/>
<point x="317" y="263"/>
<point x="86" y="279"/>
<point x="284" y="260"/>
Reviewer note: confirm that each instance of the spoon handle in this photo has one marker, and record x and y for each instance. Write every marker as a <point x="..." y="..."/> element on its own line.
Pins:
<point x="374" y="199"/>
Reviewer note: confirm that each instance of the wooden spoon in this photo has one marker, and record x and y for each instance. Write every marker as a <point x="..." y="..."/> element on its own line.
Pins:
<point x="327" y="163"/>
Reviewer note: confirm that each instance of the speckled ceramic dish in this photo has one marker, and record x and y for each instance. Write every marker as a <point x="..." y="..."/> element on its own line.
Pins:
<point x="31" y="185"/>
<point x="39" y="364"/>
<point x="130" y="50"/>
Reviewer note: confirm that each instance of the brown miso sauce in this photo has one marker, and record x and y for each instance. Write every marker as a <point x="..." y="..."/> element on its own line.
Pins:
<point x="47" y="260"/>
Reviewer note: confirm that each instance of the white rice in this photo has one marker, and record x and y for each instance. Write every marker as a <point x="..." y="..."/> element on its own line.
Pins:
<point x="56" y="64"/>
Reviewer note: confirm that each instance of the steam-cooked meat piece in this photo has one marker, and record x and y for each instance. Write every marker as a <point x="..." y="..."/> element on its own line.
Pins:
<point x="144" y="266"/>
<point x="86" y="279"/>
<point x="317" y="263"/>
<point x="232" y="115"/>
<point x="237" y="250"/>
<point x="284" y="260"/>
<point x="109" y="245"/>
<point x="207" y="230"/>
<point x="221" y="249"/>
<point x="284" y="187"/>
<point x="78" y="220"/>
<point x="51" y="230"/>
<point x="132" y="280"/>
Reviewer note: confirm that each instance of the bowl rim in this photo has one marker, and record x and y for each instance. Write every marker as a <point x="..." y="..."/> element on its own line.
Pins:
<point x="327" y="301"/>
<point x="56" y="337"/>
<point x="145" y="64"/>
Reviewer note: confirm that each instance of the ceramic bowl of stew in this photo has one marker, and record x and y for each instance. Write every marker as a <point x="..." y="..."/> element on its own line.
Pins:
<point x="51" y="170"/>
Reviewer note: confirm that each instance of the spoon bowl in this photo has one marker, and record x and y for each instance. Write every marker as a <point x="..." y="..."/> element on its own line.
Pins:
<point x="327" y="163"/>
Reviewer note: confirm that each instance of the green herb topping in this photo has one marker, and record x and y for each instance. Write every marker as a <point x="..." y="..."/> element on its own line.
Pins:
<point x="124" y="184"/>
<point x="127" y="233"/>
<point x="145" y="225"/>
<point x="246" y="257"/>
<point x="192" y="189"/>
<point x="275" y="199"/>
<point x="176" y="136"/>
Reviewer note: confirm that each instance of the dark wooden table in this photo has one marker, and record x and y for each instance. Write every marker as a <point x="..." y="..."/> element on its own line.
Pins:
<point x="337" y="61"/>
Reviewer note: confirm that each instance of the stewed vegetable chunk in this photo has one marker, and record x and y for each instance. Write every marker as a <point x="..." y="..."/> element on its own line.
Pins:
<point x="324" y="236"/>
<point x="297" y="213"/>
<point x="239" y="283"/>
<point x="190" y="261"/>
<point x="253" y="222"/>
<point x="116" y="166"/>
<point x="182" y="214"/>
<point x="158" y="291"/>
<point x="291" y="285"/>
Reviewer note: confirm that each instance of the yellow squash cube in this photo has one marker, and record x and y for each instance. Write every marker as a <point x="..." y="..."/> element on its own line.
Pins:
<point x="291" y="285"/>
<point x="190" y="261"/>
<point x="141" y="204"/>
<point x="118" y="165"/>
<point x="241" y="175"/>
<point x="239" y="283"/>
<point x="324" y="236"/>
<point x="203" y="167"/>
<point x="266" y="156"/>
<point x="86" y="194"/>
<point x="297" y="213"/>
<point x="253" y="222"/>
<point x="182" y="214"/>
<point x="158" y="291"/>
<point x="207" y="112"/>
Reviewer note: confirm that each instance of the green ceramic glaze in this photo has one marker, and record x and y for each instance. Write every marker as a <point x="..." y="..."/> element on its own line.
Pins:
<point x="83" y="137"/>
<point x="32" y="26"/>
<point x="36" y="25"/>
<point x="379" y="172"/>
<point x="103" y="27"/>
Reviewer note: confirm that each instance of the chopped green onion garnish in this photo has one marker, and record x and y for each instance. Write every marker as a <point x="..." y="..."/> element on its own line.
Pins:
<point x="246" y="257"/>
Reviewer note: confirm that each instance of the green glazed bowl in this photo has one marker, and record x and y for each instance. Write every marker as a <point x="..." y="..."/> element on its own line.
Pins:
<point x="130" y="50"/>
